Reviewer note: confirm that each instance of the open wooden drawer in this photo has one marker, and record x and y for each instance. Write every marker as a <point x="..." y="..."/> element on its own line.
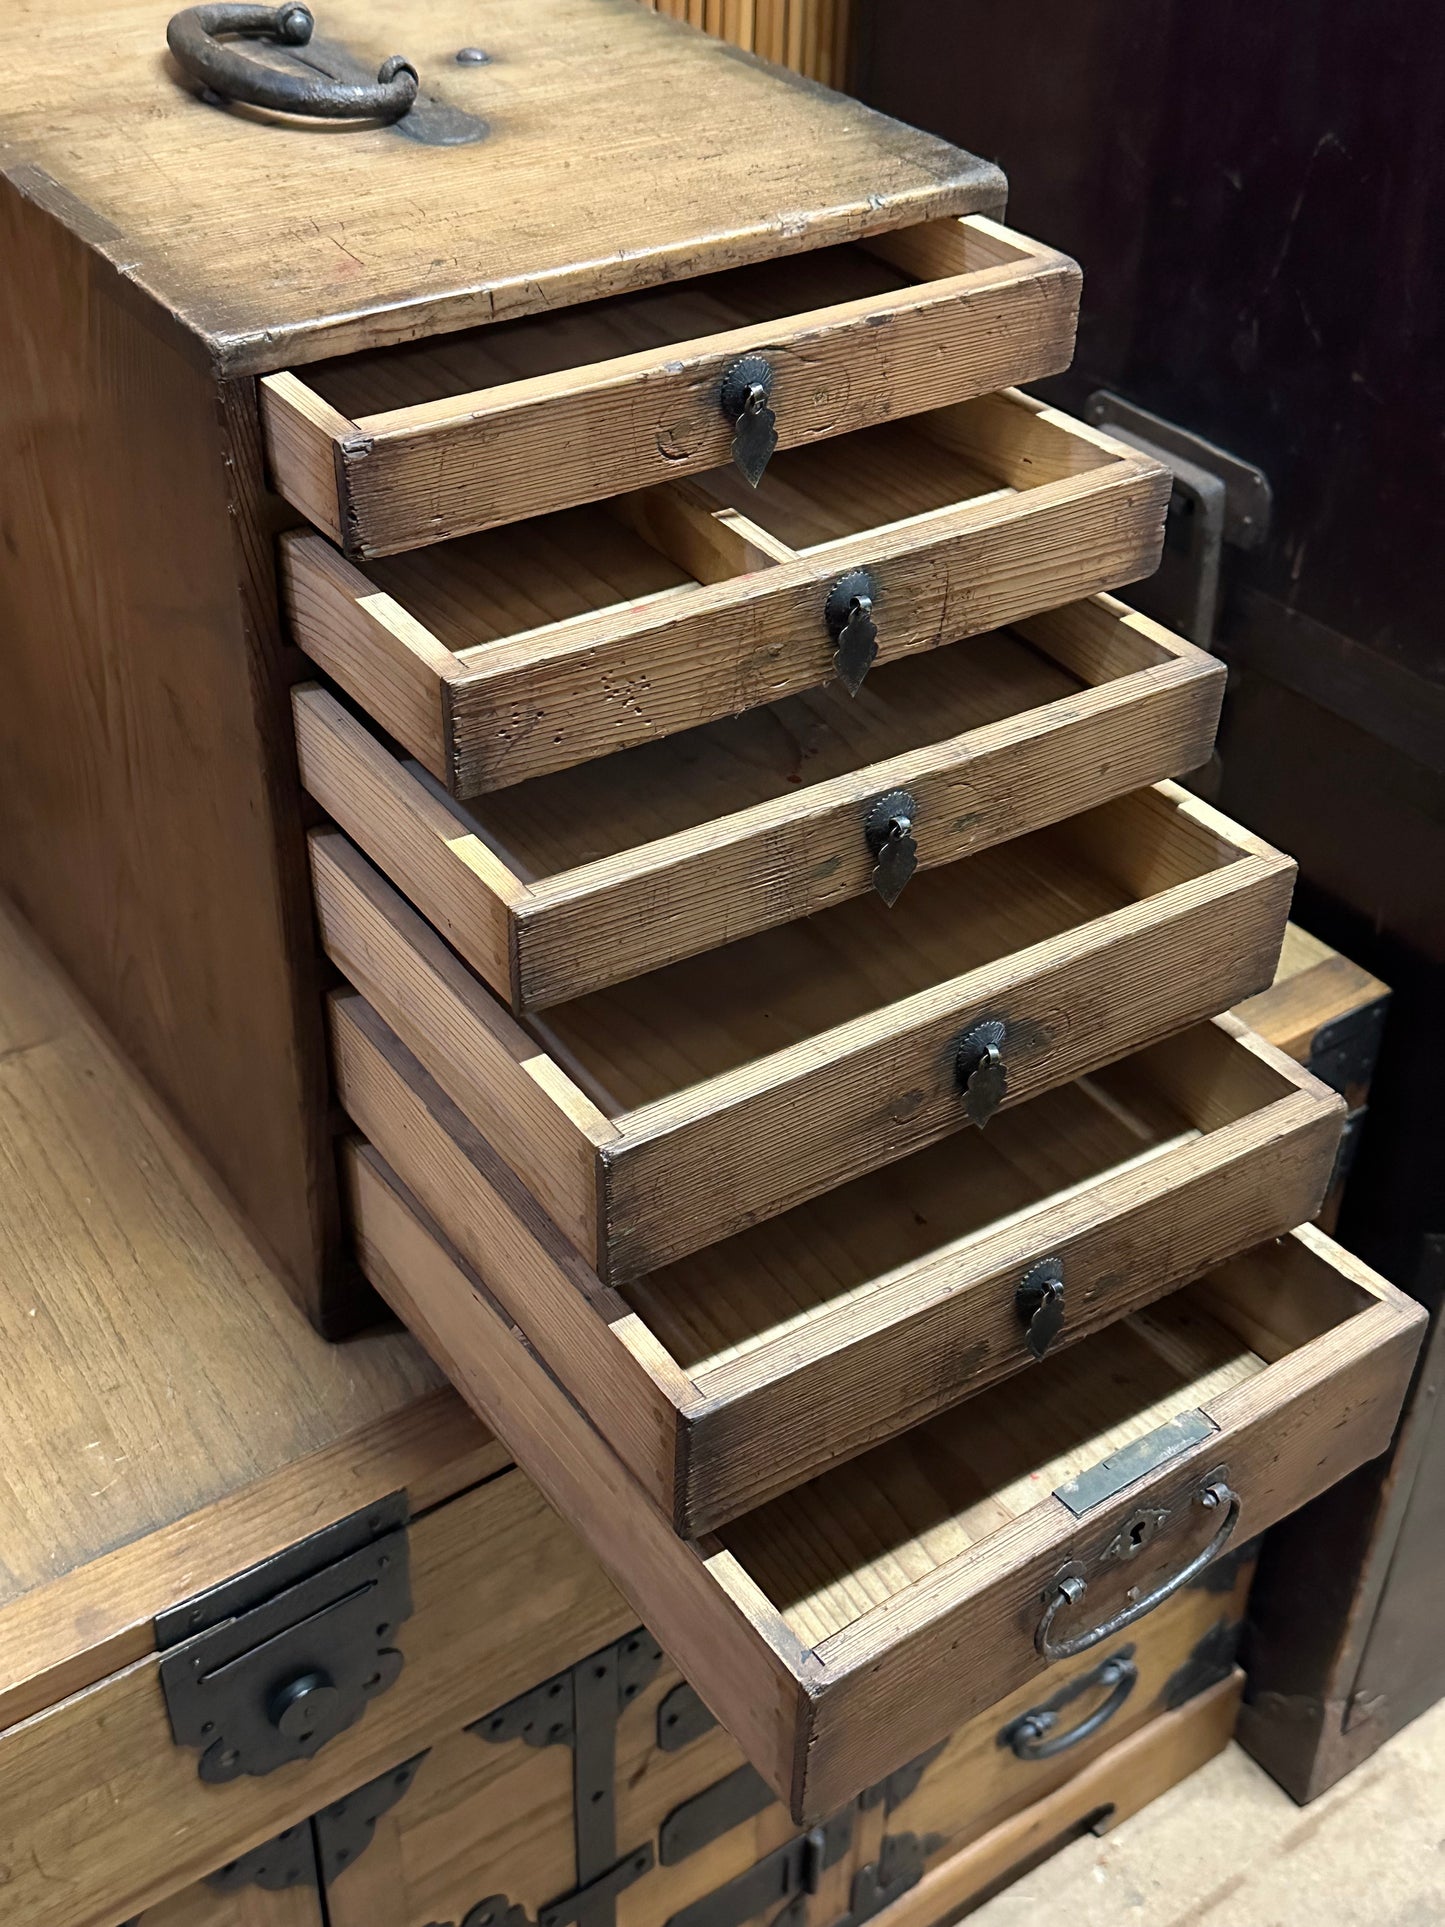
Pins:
<point x="398" y="447"/>
<point x="655" y="1117"/>
<point x="570" y="882"/>
<point x="728" y="1377"/>
<point x="841" y="1630"/>
<point x="529" y="649"/>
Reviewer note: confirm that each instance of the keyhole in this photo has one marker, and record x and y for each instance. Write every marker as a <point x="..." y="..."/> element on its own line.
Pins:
<point x="1138" y="1533"/>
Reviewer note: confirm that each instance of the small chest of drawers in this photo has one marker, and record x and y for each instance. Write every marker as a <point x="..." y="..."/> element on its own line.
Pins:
<point x="593" y="757"/>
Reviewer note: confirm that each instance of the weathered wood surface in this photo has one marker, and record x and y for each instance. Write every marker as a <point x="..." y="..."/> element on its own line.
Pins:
<point x="569" y="883"/>
<point x="824" y="1629"/>
<point x="656" y="1117"/>
<point x="622" y="151"/>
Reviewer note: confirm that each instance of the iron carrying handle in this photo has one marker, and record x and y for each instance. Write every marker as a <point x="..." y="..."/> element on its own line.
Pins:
<point x="1071" y="1588"/>
<point x="1032" y="1737"/>
<point x="235" y="75"/>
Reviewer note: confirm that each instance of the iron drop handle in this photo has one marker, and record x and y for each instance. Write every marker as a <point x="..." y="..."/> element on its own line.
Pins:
<point x="193" y="38"/>
<point x="1032" y="1736"/>
<point x="1070" y="1587"/>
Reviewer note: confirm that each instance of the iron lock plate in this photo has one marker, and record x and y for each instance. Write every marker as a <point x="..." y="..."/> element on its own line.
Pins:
<point x="266" y="1667"/>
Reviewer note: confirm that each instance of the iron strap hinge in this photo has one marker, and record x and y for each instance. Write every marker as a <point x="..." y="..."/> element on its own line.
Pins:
<point x="266" y="1667"/>
<point x="579" y="1708"/>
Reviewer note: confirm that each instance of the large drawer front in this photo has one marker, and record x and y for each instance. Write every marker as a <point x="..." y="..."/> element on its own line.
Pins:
<point x="401" y="447"/>
<point x="568" y="883"/>
<point x="656" y="1117"/>
<point x="504" y="656"/>
<point x="713" y="1846"/>
<point x="840" y="1631"/>
<point x="730" y="1377"/>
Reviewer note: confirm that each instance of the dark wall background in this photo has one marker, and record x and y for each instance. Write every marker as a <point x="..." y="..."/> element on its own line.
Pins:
<point x="1257" y="196"/>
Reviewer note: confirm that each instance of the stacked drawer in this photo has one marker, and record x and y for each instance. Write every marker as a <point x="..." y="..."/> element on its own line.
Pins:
<point x="781" y="983"/>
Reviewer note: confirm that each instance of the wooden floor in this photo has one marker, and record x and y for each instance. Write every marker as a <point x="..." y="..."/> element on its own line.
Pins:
<point x="1228" y="1849"/>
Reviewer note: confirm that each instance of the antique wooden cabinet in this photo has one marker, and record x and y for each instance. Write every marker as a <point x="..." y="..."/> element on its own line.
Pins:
<point x="742" y="954"/>
<point x="173" y="1423"/>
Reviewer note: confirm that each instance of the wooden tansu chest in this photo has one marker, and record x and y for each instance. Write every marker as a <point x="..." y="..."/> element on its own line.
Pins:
<point x="193" y="1474"/>
<point x="566" y="711"/>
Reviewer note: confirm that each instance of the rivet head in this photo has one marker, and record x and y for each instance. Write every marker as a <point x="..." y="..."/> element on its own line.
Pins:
<point x="472" y="56"/>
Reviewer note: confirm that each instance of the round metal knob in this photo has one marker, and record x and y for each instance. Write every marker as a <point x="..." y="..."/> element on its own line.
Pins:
<point x="307" y="1710"/>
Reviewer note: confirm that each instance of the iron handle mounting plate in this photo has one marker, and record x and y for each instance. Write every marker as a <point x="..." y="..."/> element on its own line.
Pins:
<point x="1071" y="1586"/>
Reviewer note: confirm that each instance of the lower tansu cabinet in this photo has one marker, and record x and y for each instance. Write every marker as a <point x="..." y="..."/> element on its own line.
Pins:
<point x="607" y="1796"/>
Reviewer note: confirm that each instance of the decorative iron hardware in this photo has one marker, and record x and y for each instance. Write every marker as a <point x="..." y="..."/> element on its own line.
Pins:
<point x="1139" y="1530"/>
<point x="1109" y="1477"/>
<point x="712" y="1813"/>
<point x="888" y="828"/>
<point x="1034" y="1736"/>
<point x="193" y="37"/>
<point x="580" y="1708"/>
<point x="1218" y="500"/>
<point x="1211" y="1661"/>
<point x="313" y="1852"/>
<point x="267" y="1667"/>
<point x="1343" y="1052"/>
<point x="287" y="1861"/>
<point x="848" y="613"/>
<point x="788" y="1874"/>
<point x="1070" y="1587"/>
<point x="1039" y="1302"/>
<point x="900" y="1784"/>
<point x="902" y="1858"/>
<point x="745" y="398"/>
<point x="346" y="1828"/>
<point x="980" y="1069"/>
<point x="681" y="1719"/>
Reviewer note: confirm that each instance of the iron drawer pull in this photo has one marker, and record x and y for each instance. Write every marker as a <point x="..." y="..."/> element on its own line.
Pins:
<point x="234" y="75"/>
<point x="1032" y="1737"/>
<point x="1072" y="1586"/>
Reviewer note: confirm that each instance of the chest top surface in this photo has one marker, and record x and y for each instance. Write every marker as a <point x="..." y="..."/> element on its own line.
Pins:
<point x="621" y="148"/>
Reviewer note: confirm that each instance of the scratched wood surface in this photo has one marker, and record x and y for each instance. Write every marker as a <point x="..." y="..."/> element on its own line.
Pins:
<point x="622" y="150"/>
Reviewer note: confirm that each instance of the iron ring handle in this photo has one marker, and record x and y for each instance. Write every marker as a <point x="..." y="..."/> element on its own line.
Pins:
<point x="1070" y="1590"/>
<point x="1028" y="1736"/>
<point x="234" y="75"/>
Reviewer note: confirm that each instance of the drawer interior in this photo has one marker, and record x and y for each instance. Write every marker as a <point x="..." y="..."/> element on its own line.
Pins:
<point x="856" y="1253"/>
<point x="853" y="1540"/>
<point x="656" y="1035"/>
<point x="973" y="452"/>
<point x="629" y="554"/>
<point x="370" y="384"/>
<point x="531" y="575"/>
<point x="552" y="824"/>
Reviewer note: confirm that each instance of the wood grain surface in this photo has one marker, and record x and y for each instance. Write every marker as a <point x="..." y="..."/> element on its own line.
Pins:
<point x="150" y="814"/>
<point x="571" y="882"/>
<point x="622" y="150"/>
<point x="894" y="1556"/>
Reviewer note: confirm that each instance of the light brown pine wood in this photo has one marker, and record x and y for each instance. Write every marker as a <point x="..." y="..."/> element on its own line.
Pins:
<point x="203" y="1906"/>
<point x="112" y="1812"/>
<point x="496" y="1817"/>
<point x="568" y="883"/>
<point x="658" y="1116"/>
<point x="949" y="1534"/>
<point x="969" y="518"/>
<point x="624" y="150"/>
<point x="1110" y="1789"/>
<point x="790" y="1347"/>
<point x="449" y="436"/>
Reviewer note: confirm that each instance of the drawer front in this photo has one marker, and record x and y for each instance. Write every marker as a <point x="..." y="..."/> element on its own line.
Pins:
<point x="809" y="1338"/>
<point x="397" y="449"/>
<point x="112" y="1815"/>
<point x="656" y="1118"/>
<point x="499" y="658"/>
<point x="576" y="881"/>
<point x="844" y="1629"/>
<point x="678" y="1793"/>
